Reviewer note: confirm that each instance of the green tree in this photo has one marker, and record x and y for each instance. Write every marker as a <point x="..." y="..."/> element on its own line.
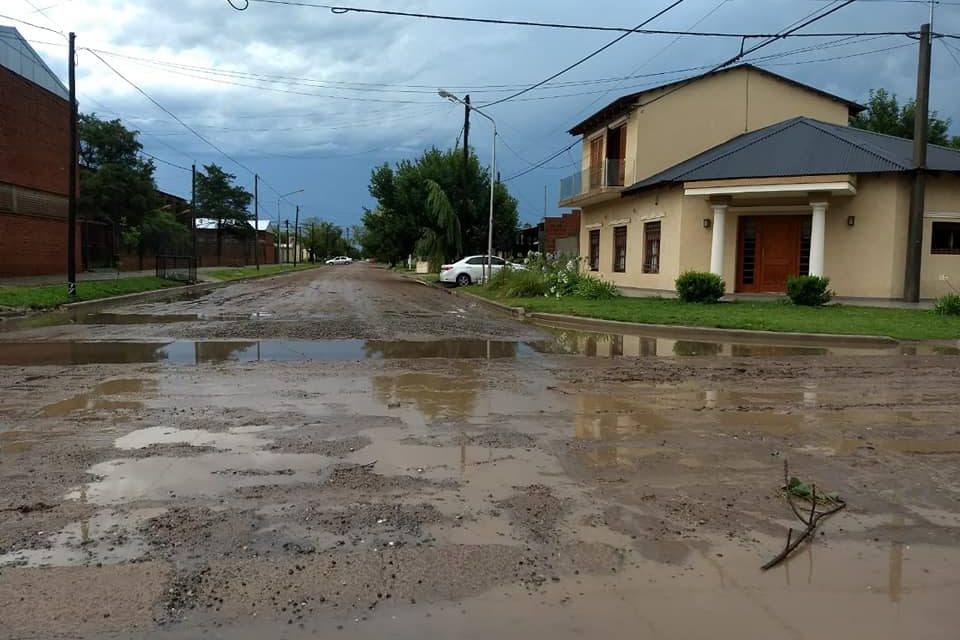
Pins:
<point x="218" y="198"/>
<point x="445" y="238"/>
<point x="404" y="216"/>
<point x="324" y="239"/>
<point x="116" y="183"/>
<point x="884" y="114"/>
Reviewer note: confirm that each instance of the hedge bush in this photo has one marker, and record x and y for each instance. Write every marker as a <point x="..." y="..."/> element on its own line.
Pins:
<point x="809" y="291"/>
<point x="699" y="286"/>
<point x="948" y="305"/>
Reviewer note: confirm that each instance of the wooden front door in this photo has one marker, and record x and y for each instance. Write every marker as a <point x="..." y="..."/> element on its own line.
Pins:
<point x="769" y="252"/>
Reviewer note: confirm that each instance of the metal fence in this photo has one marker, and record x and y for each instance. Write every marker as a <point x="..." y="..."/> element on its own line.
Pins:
<point x="182" y="268"/>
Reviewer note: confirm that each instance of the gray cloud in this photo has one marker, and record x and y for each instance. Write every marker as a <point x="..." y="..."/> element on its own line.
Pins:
<point x="308" y="133"/>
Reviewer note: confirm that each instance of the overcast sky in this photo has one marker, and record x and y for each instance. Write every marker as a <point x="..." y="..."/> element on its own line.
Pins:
<point x="357" y="90"/>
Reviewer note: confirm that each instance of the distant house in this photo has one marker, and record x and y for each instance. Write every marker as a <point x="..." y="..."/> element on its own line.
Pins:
<point x="757" y="178"/>
<point x="34" y="154"/>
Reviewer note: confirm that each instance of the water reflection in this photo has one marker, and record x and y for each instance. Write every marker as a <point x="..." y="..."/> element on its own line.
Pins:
<point x="432" y="395"/>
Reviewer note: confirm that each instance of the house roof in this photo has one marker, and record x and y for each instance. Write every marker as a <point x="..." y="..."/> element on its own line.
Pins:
<point x="211" y="223"/>
<point x="802" y="147"/>
<point x="18" y="56"/>
<point x="624" y="104"/>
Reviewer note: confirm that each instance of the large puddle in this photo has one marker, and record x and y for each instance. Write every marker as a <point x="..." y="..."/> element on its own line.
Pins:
<point x="563" y="343"/>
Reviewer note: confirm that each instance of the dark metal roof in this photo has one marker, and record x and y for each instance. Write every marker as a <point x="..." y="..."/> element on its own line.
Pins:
<point x="624" y="104"/>
<point x="802" y="147"/>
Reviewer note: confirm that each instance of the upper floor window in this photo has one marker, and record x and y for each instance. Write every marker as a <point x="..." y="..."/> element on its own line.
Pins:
<point x="616" y="156"/>
<point x="945" y="238"/>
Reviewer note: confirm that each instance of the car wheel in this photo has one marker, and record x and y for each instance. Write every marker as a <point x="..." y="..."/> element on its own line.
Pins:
<point x="463" y="280"/>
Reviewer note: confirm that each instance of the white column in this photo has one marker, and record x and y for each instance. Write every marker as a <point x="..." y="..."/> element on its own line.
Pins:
<point x="716" y="249"/>
<point x="817" y="233"/>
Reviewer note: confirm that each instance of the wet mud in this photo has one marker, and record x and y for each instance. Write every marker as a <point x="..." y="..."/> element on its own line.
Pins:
<point x="440" y="471"/>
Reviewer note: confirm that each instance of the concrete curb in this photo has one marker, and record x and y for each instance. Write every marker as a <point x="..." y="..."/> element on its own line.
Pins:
<point x="702" y="333"/>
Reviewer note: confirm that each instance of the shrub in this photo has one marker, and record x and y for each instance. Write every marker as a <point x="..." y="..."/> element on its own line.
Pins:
<point x="699" y="286"/>
<point x="523" y="284"/>
<point x="809" y="291"/>
<point x="594" y="289"/>
<point x="948" y="305"/>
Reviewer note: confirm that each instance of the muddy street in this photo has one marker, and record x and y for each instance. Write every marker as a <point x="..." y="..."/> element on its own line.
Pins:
<point x="344" y="451"/>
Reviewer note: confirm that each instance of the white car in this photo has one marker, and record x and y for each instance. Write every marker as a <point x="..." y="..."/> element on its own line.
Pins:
<point x="340" y="260"/>
<point x="470" y="269"/>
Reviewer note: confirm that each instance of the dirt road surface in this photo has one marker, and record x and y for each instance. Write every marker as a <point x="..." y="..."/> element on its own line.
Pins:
<point x="345" y="453"/>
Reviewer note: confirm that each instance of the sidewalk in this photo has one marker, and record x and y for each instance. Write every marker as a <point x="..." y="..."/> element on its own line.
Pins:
<point x="98" y="274"/>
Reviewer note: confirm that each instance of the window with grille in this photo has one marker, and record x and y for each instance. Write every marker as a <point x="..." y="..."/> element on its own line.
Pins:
<point x="594" y="249"/>
<point x="620" y="249"/>
<point x="651" y="247"/>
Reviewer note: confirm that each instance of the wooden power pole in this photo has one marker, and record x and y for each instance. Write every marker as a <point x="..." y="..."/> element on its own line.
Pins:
<point x="911" y="283"/>
<point x="72" y="171"/>
<point x="256" y="220"/>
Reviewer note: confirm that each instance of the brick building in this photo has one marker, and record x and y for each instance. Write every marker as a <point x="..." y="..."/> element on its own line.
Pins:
<point x="555" y="235"/>
<point x="34" y="150"/>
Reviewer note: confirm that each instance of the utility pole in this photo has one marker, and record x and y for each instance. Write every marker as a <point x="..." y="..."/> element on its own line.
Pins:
<point x="465" y="214"/>
<point x="278" y="231"/>
<point x="256" y="220"/>
<point x="296" y="236"/>
<point x="286" y="252"/>
<point x="193" y="214"/>
<point x="72" y="172"/>
<point x="911" y="283"/>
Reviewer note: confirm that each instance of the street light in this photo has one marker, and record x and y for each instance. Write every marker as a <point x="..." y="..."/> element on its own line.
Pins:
<point x="278" y="221"/>
<point x="493" y="175"/>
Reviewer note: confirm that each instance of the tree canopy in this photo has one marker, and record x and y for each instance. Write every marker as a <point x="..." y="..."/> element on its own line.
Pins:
<point x="116" y="183"/>
<point x="218" y="198"/>
<point x="884" y="114"/>
<point x="444" y="219"/>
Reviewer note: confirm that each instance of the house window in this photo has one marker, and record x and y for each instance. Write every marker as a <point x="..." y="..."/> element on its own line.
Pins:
<point x="620" y="249"/>
<point x="945" y="238"/>
<point x="594" y="249"/>
<point x="616" y="154"/>
<point x="651" y="247"/>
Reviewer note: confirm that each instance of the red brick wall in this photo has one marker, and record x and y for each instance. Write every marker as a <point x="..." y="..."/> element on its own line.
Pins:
<point x="563" y="227"/>
<point x="33" y="245"/>
<point x="35" y="135"/>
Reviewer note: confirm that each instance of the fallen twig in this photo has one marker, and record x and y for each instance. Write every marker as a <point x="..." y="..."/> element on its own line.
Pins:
<point x="810" y="521"/>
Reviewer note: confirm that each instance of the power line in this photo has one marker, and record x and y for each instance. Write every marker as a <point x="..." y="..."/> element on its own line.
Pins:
<point x="807" y="20"/>
<point x="182" y="123"/>
<point x="30" y="24"/>
<point x="341" y="10"/>
<point x="796" y="25"/>
<point x="950" y="51"/>
<point x="166" y="162"/>
<point x="44" y="14"/>
<point x="586" y="57"/>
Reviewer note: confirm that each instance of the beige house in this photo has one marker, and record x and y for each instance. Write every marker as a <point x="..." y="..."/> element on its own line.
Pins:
<point x="757" y="178"/>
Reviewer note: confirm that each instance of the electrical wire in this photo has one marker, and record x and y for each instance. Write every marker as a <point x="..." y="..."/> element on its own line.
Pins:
<point x="342" y="10"/>
<point x="166" y="162"/>
<point x="796" y="25"/>
<point x="590" y="55"/>
<point x="951" y="52"/>
<point x="182" y="123"/>
<point x="30" y="24"/>
<point x="799" y="24"/>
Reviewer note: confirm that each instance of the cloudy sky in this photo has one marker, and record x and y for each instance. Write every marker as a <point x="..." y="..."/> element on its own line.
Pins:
<point x="312" y="99"/>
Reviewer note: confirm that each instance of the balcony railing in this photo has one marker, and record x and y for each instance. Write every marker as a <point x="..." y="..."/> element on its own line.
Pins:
<point x="593" y="179"/>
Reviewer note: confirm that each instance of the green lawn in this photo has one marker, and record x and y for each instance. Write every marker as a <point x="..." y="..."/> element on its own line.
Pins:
<point x="236" y="273"/>
<point x="54" y="295"/>
<point x="903" y="324"/>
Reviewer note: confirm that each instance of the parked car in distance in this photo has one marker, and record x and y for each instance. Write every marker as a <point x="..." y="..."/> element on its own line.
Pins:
<point x="340" y="260"/>
<point x="468" y="270"/>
